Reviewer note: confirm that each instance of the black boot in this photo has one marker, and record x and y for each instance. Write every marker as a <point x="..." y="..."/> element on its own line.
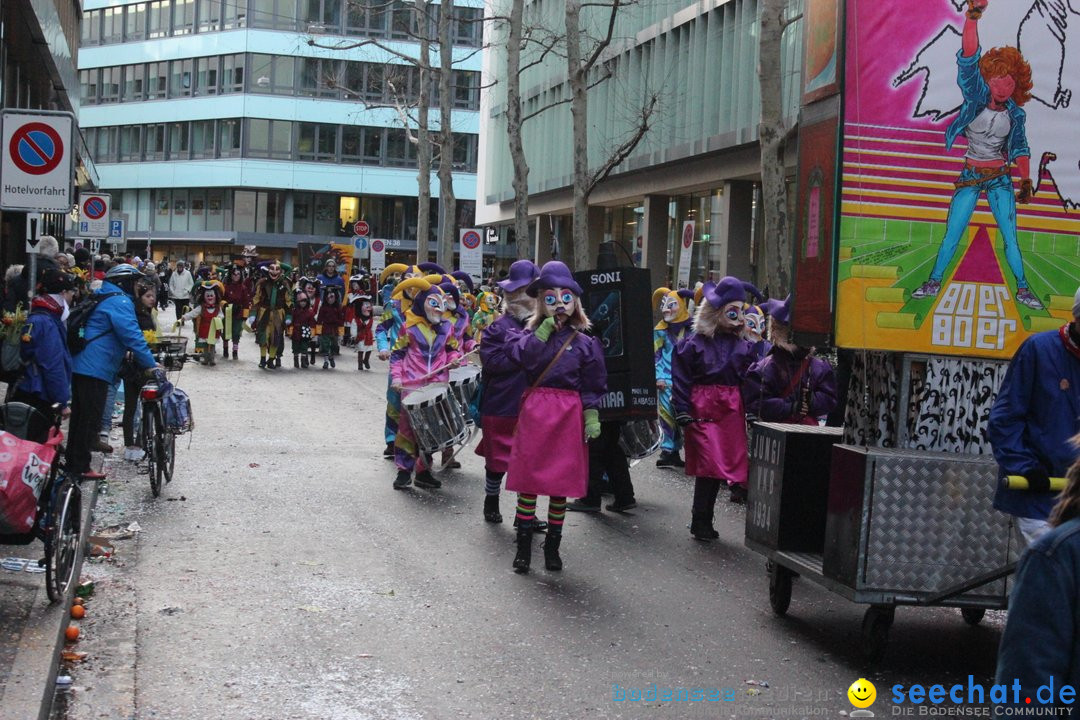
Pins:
<point x="262" y="363"/>
<point x="701" y="527"/>
<point x="388" y="452"/>
<point x="225" y="350"/>
<point x="491" y="509"/>
<point x="425" y="479"/>
<point x="296" y="361"/>
<point x="403" y="479"/>
<point x="303" y="361"/>
<point x="524" y="548"/>
<point x="552" y="561"/>
<point x="313" y="358"/>
<point x="235" y="351"/>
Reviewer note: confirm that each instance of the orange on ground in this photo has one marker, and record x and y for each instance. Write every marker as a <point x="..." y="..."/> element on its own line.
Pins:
<point x="78" y="612"/>
<point x="72" y="633"/>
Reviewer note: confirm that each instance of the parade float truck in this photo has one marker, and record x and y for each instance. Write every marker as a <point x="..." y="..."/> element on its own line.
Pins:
<point x="926" y="268"/>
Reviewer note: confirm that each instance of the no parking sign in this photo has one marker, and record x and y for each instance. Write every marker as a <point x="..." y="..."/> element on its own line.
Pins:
<point x="94" y="215"/>
<point x="378" y="256"/>
<point x="35" y="174"/>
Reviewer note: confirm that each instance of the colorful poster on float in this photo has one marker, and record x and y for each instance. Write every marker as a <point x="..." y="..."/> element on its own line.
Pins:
<point x="943" y="246"/>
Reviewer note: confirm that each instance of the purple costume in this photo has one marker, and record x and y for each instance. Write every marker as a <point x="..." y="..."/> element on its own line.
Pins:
<point x="504" y="384"/>
<point x="708" y="373"/>
<point x="549" y="457"/>
<point x="772" y="393"/>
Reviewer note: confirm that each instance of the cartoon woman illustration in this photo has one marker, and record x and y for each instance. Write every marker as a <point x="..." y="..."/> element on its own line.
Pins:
<point x="994" y="86"/>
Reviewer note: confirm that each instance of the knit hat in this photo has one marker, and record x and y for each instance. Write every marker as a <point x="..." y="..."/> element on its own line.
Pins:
<point x="728" y="290"/>
<point x="554" y="274"/>
<point x="522" y="272"/>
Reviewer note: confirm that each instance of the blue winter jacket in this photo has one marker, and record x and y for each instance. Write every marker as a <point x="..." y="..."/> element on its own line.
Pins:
<point x="111" y="331"/>
<point x="1036" y="412"/>
<point x="48" y="362"/>
<point x="976" y="97"/>
<point x="1041" y="642"/>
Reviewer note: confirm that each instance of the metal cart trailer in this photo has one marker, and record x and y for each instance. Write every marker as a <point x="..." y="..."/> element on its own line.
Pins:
<point x="879" y="526"/>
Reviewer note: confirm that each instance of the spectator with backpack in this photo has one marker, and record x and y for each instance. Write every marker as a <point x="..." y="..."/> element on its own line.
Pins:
<point x="46" y="375"/>
<point x="100" y="332"/>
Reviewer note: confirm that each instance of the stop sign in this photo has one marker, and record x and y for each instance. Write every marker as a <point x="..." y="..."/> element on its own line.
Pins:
<point x="361" y="228"/>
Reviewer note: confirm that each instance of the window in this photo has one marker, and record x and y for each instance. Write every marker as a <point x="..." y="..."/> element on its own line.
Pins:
<point x="134" y="88"/>
<point x="274" y="14"/>
<point x="233" y="14"/>
<point x="131" y="143"/>
<point x="88" y="86"/>
<point x="155" y="142"/>
<point x="466" y="87"/>
<point x="229" y="138"/>
<point x="322" y="16"/>
<point x="281" y="139"/>
<point x="468" y="26"/>
<point x="402" y="83"/>
<point x="399" y="151"/>
<point x="105" y="142"/>
<point x="202" y="139"/>
<point x="157" y="80"/>
<point x="269" y="138"/>
<point x="366" y="17"/>
<point x="179" y="147"/>
<point x="316" y="141"/>
<point x="373" y="146"/>
<point x="262" y="13"/>
<point x="319" y="78"/>
<point x="135" y="21"/>
<point x="158" y="19"/>
<point x="206" y="76"/>
<point x="272" y="74"/>
<point x="91" y="27"/>
<point x="183" y="19"/>
<point x="112" y="30"/>
<point x="232" y="73"/>
<point x="210" y="14"/>
<point x="352" y="141"/>
<point x="180" y="78"/>
<point x="374" y="88"/>
<point x="403" y="21"/>
<point x="464" y="153"/>
<point x="110" y="84"/>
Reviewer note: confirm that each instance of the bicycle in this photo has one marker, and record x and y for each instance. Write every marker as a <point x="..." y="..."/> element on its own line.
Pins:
<point x="156" y="438"/>
<point x="58" y="516"/>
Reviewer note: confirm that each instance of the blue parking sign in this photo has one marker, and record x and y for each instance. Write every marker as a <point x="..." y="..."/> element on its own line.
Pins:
<point x="116" y="229"/>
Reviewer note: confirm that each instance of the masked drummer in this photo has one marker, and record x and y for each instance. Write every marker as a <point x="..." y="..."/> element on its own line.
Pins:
<point x="504" y="382"/>
<point x="386" y="335"/>
<point x="426" y="343"/>
<point x="565" y="370"/>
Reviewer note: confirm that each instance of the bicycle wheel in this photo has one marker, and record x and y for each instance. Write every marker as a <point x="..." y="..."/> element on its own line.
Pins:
<point x="62" y="545"/>
<point x="150" y="446"/>
<point x="168" y="455"/>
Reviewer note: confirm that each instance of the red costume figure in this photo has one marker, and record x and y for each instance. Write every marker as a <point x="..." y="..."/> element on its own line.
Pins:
<point x="302" y="330"/>
<point x="330" y="322"/>
<point x="238" y="296"/>
<point x="208" y="316"/>
<point x="364" y="327"/>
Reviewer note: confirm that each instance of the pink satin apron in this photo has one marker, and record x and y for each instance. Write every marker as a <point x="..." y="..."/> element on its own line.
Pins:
<point x="496" y="442"/>
<point x="549" y="456"/>
<point x="717" y="448"/>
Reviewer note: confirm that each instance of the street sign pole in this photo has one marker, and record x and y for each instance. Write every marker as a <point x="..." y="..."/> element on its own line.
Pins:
<point x="33" y="229"/>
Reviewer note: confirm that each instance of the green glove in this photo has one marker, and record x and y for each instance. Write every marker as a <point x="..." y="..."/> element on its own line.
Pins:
<point x="592" y="424"/>
<point x="545" y="330"/>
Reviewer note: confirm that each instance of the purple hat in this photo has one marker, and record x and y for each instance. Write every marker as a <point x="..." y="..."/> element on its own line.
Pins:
<point x="778" y="310"/>
<point x="450" y="288"/>
<point x="522" y="272"/>
<point x="430" y="267"/>
<point x="463" y="277"/>
<point x="554" y="274"/>
<point x="728" y="290"/>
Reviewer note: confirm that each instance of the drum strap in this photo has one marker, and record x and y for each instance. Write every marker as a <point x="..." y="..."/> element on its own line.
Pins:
<point x="555" y="359"/>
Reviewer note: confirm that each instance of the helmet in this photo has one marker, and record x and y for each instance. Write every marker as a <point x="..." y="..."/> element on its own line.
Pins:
<point x="124" y="276"/>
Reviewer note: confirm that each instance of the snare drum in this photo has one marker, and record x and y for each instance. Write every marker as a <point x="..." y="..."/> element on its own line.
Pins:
<point x="465" y="383"/>
<point x="436" y="418"/>
<point x="640" y="438"/>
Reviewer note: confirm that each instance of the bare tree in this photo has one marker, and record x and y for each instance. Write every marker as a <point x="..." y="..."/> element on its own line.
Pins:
<point x="520" y="163"/>
<point x="773" y="133"/>
<point x="447" y="201"/>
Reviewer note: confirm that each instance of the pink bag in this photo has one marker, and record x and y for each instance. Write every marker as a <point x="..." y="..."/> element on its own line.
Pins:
<point x="24" y="469"/>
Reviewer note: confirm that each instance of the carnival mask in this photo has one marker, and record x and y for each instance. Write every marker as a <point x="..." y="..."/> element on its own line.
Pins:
<point x="731" y="318"/>
<point x="754" y="327"/>
<point x="558" y="302"/>
<point x="669" y="308"/>
<point x="274" y="271"/>
<point x="210" y="298"/>
<point x="434" y="307"/>
<point x="302" y="300"/>
<point x="451" y="303"/>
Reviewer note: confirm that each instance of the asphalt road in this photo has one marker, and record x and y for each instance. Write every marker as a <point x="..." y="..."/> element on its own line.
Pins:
<point x="294" y="582"/>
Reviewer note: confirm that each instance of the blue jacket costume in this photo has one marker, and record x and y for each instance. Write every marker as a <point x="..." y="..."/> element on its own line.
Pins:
<point x="665" y="337"/>
<point x="976" y="98"/>
<point x="1033" y="418"/>
<point x="1039" y="646"/>
<point x="48" y="362"/>
<point x="111" y="331"/>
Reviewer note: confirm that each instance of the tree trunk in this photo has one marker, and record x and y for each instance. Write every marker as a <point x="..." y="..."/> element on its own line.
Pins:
<point x="513" y="131"/>
<point x="776" y="258"/>
<point x="423" y="138"/>
<point x="447" y="203"/>
<point x="579" y="109"/>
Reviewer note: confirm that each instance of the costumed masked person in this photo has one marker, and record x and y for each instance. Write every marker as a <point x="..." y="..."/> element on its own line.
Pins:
<point x="467" y="301"/>
<point x="357" y="289"/>
<point x="330" y="321"/>
<point x="560" y="409"/>
<point x="674" y="325"/>
<point x="754" y="328"/>
<point x="426" y="343"/>
<point x="302" y="329"/>
<point x="708" y="370"/>
<point x="790" y="384"/>
<point x="504" y="382"/>
<point x="364" y="326"/>
<point x="488" y="305"/>
<point x="386" y="336"/>
<point x="237" y="305"/>
<point x="457" y="315"/>
<point x="272" y="302"/>
<point x="209" y="320"/>
<point x="329" y="277"/>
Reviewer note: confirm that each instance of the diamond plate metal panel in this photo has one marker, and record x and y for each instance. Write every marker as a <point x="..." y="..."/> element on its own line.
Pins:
<point x="932" y="522"/>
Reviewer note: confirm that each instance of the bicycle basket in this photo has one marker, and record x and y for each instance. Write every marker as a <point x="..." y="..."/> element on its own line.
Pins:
<point x="170" y="344"/>
<point x="176" y="412"/>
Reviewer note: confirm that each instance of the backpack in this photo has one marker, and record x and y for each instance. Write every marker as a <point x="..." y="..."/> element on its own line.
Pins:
<point x="176" y="411"/>
<point x="77" y="320"/>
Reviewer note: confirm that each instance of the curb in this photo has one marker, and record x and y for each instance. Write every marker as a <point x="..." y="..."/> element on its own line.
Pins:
<point x="32" y="683"/>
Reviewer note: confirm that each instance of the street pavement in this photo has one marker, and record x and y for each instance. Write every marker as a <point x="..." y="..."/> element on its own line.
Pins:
<point x="280" y="576"/>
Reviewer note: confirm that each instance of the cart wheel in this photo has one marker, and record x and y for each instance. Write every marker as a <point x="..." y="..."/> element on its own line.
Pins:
<point x="875" y="631"/>
<point x="973" y="616"/>
<point x="780" y="588"/>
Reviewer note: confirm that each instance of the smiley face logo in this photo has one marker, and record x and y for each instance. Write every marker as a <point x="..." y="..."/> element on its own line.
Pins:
<point x="862" y="693"/>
